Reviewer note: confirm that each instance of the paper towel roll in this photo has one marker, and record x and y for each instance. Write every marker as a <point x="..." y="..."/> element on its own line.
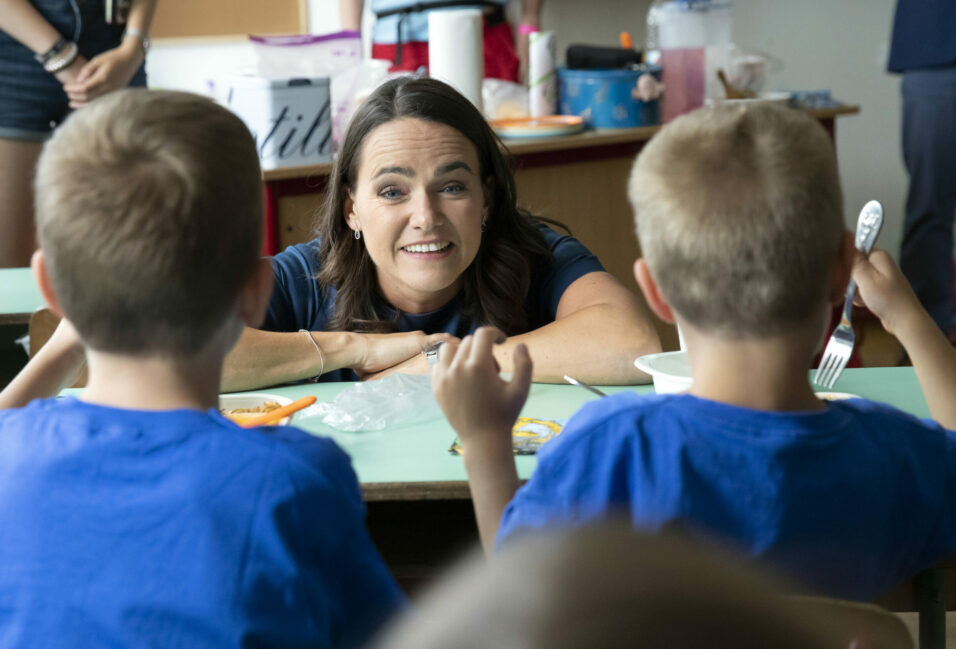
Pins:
<point x="455" y="50"/>
<point x="542" y="80"/>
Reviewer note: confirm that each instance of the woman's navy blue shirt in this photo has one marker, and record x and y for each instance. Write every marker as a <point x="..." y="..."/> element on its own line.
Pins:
<point x="299" y="301"/>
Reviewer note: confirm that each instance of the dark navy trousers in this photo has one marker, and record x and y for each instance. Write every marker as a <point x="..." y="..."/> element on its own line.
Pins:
<point x="929" y="151"/>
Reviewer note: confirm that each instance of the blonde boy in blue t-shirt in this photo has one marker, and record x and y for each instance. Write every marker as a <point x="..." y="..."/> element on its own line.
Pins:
<point x="739" y="214"/>
<point x="137" y="515"/>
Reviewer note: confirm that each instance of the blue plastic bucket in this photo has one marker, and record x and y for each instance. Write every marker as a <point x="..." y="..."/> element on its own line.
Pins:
<point x="603" y="97"/>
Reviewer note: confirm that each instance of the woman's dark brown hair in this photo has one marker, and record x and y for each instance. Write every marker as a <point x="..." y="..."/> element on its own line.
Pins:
<point x="496" y="283"/>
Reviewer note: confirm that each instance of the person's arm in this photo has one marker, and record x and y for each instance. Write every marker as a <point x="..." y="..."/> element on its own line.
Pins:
<point x="55" y="366"/>
<point x="887" y="293"/>
<point x="350" y="14"/>
<point x="482" y="409"/>
<point x="113" y="69"/>
<point x="263" y="358"/>
<point x="599" y="329"/>
<point x="22" y="21"/>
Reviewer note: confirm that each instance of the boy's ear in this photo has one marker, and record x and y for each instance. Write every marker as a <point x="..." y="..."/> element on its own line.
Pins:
<point x="255" y="294"/>
<point x="842" y="269"/>
<point x="652" y="292"/>
<point x="41" y="275"/>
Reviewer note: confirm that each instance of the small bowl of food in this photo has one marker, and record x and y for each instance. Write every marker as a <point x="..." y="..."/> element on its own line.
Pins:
<point x="242" y="407"/>
<point x="670" y="371"/>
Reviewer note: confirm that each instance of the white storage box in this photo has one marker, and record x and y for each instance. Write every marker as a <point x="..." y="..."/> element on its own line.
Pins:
<point x="291" y="119"/>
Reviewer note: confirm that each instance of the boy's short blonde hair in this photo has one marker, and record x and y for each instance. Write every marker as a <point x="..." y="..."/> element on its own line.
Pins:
<point x="605" y="586"/>
<point x="739" y="216"/>
<point x="149" y="212"/>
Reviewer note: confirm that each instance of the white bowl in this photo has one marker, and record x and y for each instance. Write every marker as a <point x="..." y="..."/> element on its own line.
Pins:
<point x="670" y="371"/>
<point x="229" y="402"/>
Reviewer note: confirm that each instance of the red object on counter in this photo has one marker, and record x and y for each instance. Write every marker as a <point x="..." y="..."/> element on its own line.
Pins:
<point x="501" y="59"/>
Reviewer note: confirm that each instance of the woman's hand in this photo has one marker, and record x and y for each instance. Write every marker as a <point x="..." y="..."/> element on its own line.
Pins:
<point x="386" y="353"/>
<point x="417" y="364"/>
<point x="111" y="70"/>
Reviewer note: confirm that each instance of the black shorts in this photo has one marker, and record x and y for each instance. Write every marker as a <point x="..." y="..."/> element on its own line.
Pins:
<point x="32" y="101"/>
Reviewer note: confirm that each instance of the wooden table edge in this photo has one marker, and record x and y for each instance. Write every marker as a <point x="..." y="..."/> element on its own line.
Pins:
<point x="15" y="318"/>
<point x="384" y="491"/>
<point x="405" y="491"/>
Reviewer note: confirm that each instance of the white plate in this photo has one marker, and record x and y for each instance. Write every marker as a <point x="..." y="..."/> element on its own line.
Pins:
<point x="670" y="371"/>
<point x="253" y="400"/>
<point x="545" y="126"/>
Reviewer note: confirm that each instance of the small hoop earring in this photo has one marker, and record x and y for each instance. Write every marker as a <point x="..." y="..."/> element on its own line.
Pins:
<point x="484" y="226"/>
<point x="357" y="234"/>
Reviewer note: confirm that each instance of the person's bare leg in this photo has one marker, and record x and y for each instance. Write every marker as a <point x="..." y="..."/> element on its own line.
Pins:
<point x="18" y="160"/>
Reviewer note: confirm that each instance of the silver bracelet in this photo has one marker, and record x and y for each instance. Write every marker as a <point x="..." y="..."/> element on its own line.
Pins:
<point x="319" y="351"/>
<point x="62" y="60"/>
<point x="53" y="52"/>
<point x="135" y="33"/>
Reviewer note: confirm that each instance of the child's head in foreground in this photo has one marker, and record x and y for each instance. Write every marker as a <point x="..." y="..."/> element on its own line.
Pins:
<point x="149" y="217"/>
<point x="740" y="218"/>
<point x="601" y="587"/>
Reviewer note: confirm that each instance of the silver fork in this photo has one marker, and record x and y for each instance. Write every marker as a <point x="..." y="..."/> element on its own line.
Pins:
<point x="840" y="345"/>
<point x="582" y="384"/>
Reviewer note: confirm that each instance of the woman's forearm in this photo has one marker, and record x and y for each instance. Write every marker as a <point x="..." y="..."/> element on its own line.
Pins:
<point x="269" y="357"/>
<point x="597" y="345"/>
<point x="600" y="328"/>
<point x="263" y="358"/>
<point x="19" y="19"/>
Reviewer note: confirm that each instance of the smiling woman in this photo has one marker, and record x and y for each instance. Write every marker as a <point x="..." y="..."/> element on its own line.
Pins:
<point x="421" y="240"/>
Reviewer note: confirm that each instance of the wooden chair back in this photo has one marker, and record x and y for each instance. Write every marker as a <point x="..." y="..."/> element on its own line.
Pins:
<point x="858" y="625"/>
<point x="41" y="327"/>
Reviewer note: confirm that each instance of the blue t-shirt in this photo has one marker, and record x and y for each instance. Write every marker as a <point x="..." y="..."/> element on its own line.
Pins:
<point x="847" y="501"/>
<point x="124" y="528"/>
<point x="924" y="35"/>
<point x="300" y="302"/>
<point x="385" y="31"/>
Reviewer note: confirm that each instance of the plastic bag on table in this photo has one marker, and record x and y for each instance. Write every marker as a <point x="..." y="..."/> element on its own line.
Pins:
<point x="395" y="400"/>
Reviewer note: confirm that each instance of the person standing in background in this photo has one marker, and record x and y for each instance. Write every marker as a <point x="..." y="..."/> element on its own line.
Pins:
<point x="400" y="34"/>
<point x="923" y="49"/>
<point x="55" y="55"/>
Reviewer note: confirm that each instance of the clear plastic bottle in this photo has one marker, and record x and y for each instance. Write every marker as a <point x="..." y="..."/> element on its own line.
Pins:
<point x="652" y="49"/>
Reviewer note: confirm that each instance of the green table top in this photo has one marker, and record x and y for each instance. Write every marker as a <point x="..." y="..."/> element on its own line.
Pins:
<point x="412" y="462"/>
<point x="19" y="296"/>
